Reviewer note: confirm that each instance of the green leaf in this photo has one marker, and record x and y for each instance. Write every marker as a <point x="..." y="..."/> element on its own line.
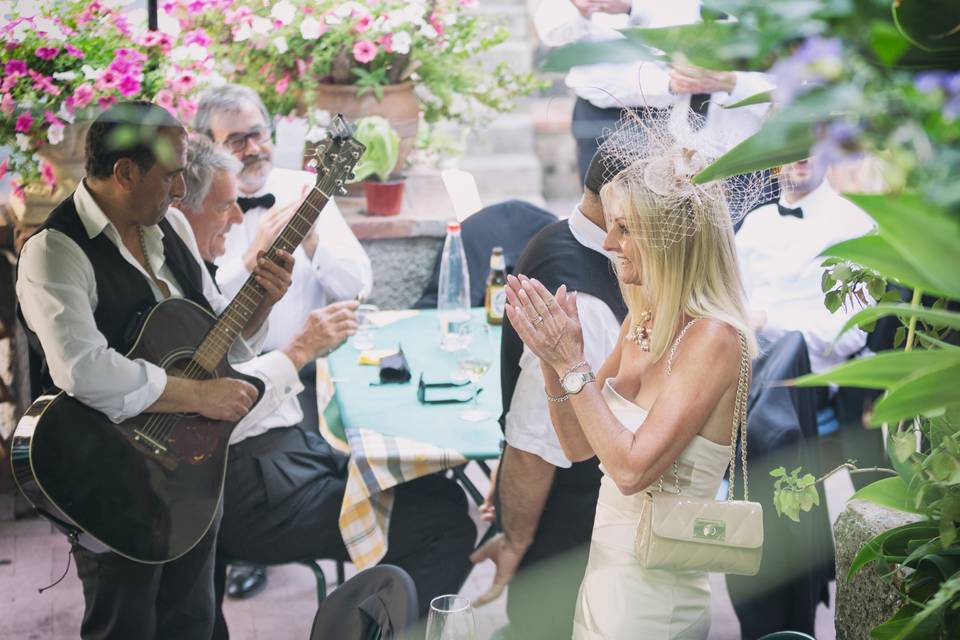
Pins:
<point x="580" y="53"/>
<point x="887" y="43"/>
<point x="881" y="371"/>
<point x="926" y="237"/>
<point x="827" y="281"/>
<point x="903" y="445"/>
<point x="875" y="252"/>
<point x="708" y="44"/>
<point x="757" y="98"/>
<point x="921" y="394"/>
<point x="889" y="492"/>
<point x="874" y="548"/>
<point x="935" y="317"/>
<point x="779" y="472"/>
<point x="833" y="301"/>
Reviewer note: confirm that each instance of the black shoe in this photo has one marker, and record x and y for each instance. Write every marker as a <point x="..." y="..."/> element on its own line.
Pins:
<point x="245" y="580"/>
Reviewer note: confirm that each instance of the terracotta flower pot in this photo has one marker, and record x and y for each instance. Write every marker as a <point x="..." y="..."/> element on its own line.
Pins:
<point x="399" y="106"/>
<point x="384" y="198"/>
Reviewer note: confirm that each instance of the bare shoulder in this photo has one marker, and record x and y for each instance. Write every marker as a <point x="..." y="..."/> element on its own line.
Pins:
<point x="710" y="342"/>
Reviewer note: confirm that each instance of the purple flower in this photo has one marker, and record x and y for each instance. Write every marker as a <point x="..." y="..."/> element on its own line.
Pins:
<point x="838" y="143"/>
<point x="73" y="51"/>
<point x="129" y="86"/>
<point x="47" y="53"/>
<point x="951" y="110"/>
<point x="15" y="67"/>
<point x="929" y="81"/>
<point x="816" y="60"/>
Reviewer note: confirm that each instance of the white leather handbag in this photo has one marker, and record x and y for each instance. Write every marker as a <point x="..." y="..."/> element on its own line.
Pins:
<point x="681" y="533"/>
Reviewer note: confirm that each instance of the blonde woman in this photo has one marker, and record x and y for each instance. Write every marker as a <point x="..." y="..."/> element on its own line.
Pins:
<point x="665" y="394"/>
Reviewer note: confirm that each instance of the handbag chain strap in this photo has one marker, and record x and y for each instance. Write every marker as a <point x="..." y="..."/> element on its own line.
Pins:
<point x="739" y="417"/>
<point x="740" y="422"/>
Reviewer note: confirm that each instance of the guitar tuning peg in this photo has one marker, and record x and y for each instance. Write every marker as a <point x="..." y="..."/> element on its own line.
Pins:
<point x="312" y="164"/>
<point x="342" y="191"/>
<point x="356" y="155"/>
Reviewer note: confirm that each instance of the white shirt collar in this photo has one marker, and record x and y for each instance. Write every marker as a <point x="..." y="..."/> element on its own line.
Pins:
<point x="587" y="233"/>
<point x="812" y="202"/>
<point x="95" y="221"/>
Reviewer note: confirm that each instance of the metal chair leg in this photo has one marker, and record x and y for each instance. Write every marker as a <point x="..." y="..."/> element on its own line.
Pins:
<point x="340" y="573"/>
<point x="321" y="579"/>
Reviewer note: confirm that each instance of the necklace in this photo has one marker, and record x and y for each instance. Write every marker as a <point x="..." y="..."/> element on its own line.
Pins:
<point x="640" y="333"/>
<point x="164" y="289"/>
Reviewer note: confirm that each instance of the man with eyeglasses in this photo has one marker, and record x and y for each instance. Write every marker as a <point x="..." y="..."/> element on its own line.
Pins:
<point x="329" y="266"/>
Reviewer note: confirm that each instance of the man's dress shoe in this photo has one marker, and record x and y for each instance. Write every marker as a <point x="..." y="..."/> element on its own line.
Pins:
<point x="246" y="580"/>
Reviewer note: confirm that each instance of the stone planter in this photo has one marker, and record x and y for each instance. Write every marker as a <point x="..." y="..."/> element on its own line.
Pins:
<point x="399" y="105"/>
<point x="867" y="600"/>
<point x="68" y="159"/>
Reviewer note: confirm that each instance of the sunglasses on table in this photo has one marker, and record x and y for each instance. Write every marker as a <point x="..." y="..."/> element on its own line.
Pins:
<point x="424" y="387"/>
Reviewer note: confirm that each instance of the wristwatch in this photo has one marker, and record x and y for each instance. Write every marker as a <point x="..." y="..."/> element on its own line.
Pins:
<point x="574" y="381"/>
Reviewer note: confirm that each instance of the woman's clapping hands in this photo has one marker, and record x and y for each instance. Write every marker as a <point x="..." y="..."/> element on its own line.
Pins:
<point x="548" y="324"/>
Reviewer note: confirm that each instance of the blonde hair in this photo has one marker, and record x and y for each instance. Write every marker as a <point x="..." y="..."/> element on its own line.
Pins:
<point x="689" y="262"/>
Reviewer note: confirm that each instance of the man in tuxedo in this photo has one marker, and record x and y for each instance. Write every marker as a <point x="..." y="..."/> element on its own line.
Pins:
<point x="545" y="504"/>
<point x="112" y="249"/>
<point x="284" y="485"/>
<point x="329" y="266"/>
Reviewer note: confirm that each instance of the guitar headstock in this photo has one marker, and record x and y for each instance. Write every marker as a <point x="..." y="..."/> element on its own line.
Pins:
<point x="336" y="156"/>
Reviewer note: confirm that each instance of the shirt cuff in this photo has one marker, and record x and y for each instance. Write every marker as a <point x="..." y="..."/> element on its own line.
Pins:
<point x="276" y="367"/>
<point x="136" y="402"/>
<point x="244" y="349"/>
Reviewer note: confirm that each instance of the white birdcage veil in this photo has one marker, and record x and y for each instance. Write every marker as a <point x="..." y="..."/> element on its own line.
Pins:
<point x="661" y="152"/>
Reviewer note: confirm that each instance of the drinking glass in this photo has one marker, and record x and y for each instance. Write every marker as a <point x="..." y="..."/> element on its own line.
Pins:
<point x="451" y="618"/>
<point x="365" y="337"/>
<point x="475" y="360"/>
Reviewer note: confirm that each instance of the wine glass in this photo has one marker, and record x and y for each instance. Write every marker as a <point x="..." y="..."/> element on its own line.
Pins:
<point x="365" y="337"/>
<point x="475" y="360"/>
<point x="451" y="618"/>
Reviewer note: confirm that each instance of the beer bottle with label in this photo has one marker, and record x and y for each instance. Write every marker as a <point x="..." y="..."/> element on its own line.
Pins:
<point x="496" y="296"/>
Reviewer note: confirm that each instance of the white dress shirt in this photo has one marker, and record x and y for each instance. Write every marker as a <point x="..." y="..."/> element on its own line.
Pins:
<point x="644" y="83"/>
<point x="339" y="270"/>
<point x="57" y="291"/>
<point x="278" y="406"/>
<point x="780" y="266"/>
<point x="528" y="425"/>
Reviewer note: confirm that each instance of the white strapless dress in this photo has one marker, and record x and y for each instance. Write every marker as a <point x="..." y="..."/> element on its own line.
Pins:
<point x="619" y="599"/>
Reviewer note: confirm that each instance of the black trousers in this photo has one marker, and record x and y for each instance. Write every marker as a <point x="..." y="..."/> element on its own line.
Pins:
<point x="282" y="499"/>
<point x="124" y="599"/>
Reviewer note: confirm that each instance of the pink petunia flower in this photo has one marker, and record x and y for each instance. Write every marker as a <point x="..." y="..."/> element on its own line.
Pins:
<point x="282" y="84"/>
<point x="4" y="167"/>
<point x="364" y="51"/>
<point x="73" y="51"/>
<point x="82" y="95"/>
<point x="47" y="53"/>
<point x="47" y="174"/>
<point x="164" y="98"/>
<point x="386" y="41"/>
<point x="15" y="68"/>
<point x="16" y="190"/>
<point x="363" y="24"/>
<point x="106" y="102"/>
<point x="197" y="36"/>
<point x="121" y="66"/>
<point x="183" y="83"/>
<point x="197" y="6"/>
<point x="51" y="118"/>
<point x="129" y="86"/>
<point x="188" y="108"/>
<point x="24" y="122"/>
<point x="9" y="82"/>
<point x="7" y="104"/>
<point x="108" y="80"/>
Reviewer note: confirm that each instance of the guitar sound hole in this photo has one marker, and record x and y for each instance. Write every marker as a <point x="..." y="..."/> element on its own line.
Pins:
<point x="193" y="438"/>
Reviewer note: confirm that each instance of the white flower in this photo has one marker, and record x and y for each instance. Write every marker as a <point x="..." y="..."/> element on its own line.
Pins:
<point x="65" y="75"/>
<point x="196" y="52"/>
<point x="401" y="42"/>
<point x="427" y="31"/>
<point x="284" y="11"/>
<point x="180" y="54"/>
<point x="281" y="44"/>
<point x="21" y="31"/>
<point x="26" y="8"/>
<point x="89" y="73"/>
<point x="226" y="66"/>
<point x="261" y="25"/>
<point x="55" y="134"/>
<point x="51" y="28"/>
<point x="243" y="33"/>
<point x="64" y="114"/>
<point x="310" y="28"/>
<point x="23" y="141"/>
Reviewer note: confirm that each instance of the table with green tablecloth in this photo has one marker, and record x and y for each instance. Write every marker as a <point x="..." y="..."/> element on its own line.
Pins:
<point x="390" y="436"/>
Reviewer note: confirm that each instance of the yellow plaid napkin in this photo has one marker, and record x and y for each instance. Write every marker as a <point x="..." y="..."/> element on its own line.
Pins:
<point x="377" y="464"/>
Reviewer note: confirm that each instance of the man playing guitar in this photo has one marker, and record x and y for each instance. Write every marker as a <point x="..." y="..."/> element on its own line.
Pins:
<point x="114" y="246"/>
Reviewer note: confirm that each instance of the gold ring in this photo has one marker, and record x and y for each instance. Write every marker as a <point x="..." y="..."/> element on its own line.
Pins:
<point x="538" y="321"/>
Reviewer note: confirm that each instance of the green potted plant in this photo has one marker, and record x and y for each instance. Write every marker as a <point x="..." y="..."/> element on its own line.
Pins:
<point x="382" y="188"/>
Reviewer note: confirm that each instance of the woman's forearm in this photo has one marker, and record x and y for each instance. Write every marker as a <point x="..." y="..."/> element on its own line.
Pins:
<point x="564" y="418"/>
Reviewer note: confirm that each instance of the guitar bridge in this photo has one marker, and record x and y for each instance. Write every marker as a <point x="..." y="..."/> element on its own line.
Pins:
<point x="151" y="447"/>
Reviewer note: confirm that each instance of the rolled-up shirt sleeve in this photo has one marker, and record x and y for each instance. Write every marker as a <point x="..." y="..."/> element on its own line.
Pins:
<point x="56" y="290"/>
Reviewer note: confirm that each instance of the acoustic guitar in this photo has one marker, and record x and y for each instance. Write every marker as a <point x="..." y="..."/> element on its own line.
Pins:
<point x="149" y="487"/>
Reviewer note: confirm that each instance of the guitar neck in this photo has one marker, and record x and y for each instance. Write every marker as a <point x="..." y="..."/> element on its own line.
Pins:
<point x="234" y="320"/>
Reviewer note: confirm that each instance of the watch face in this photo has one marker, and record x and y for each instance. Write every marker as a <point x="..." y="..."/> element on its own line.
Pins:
<point x="572" y="382"/>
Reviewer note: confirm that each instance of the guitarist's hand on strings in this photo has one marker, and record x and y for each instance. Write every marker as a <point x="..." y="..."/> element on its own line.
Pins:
<point x="226" y="399"/>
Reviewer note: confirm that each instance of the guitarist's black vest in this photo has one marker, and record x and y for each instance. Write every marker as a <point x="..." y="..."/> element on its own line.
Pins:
<point x="555" y="257"/>
<point x="123" y="293"/>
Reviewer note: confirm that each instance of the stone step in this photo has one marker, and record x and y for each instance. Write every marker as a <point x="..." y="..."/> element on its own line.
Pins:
<point x="508" y="133"/>
<point x="504" y="176"/>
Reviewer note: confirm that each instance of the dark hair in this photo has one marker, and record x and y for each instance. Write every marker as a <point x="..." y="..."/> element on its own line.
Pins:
<point x="127" y="130"/>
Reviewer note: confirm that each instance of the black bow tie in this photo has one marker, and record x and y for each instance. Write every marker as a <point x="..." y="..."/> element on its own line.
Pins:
<point x="266" y="201"/>
<point x="787" y="211"/>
